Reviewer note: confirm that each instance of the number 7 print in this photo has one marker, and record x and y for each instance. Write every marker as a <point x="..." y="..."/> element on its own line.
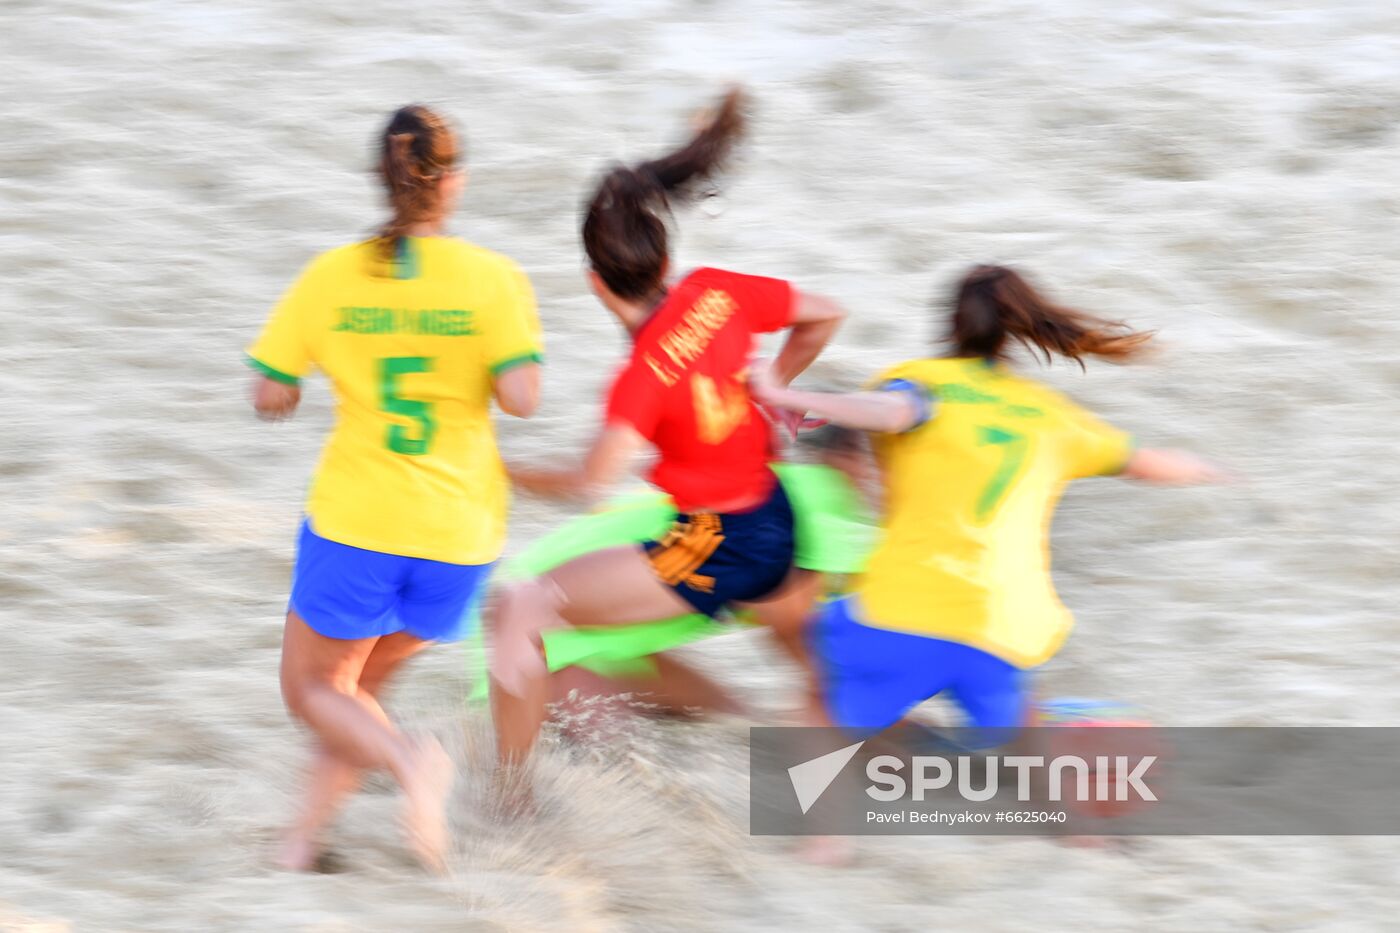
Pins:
<point x="1014" y="447"/>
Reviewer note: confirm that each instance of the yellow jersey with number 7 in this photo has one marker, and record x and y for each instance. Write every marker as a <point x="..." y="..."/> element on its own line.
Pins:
<point x="969" y="498"/>
<point x="411" y="347"/>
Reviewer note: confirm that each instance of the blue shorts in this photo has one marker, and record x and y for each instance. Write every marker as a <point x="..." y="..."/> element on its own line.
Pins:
<point x="872" y="676"/>
<point x="712" y="559"/>
<point x="349" y="592"/>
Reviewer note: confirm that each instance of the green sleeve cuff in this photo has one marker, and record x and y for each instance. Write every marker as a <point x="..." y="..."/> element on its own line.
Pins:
<point x="276" y="375"/>
<point x="534" y="356"/>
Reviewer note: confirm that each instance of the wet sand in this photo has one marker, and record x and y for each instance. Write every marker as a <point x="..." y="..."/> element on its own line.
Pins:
<point x="1220" y="170"/>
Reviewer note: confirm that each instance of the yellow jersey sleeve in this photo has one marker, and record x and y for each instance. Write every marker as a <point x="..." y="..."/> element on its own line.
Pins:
<point x="283" y="351"/>
<point x="512" y="335"/>
<point x="1093" y="447"/>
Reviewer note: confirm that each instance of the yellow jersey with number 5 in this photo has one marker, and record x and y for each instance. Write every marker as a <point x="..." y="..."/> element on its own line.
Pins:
<point x="969" y="497"/>
<point x="411" y="347"/>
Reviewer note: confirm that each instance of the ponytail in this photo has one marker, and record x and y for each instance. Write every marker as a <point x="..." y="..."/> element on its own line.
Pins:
<point x="995" y="304"/>
<point x="700" y="159"/>
<point x="417" y="149"/>
<point x="624" y="232"/>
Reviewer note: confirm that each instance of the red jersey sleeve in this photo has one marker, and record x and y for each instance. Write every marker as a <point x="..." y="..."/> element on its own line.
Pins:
<point x="635" y="399"/>
<point x="768" y="303"/>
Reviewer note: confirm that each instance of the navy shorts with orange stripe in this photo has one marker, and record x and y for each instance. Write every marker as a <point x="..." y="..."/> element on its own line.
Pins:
<point x="713" y="559"/>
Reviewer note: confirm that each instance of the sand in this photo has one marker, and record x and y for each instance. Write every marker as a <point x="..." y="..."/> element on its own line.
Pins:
<point x="1223" y="171"/>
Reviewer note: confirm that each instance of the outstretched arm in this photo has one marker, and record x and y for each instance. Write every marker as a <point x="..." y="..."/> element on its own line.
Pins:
<point x="1171" y="468"/>
<point x="885" y="412"/>
<point x="605" y="463"/>
<point x="814" y="322"/>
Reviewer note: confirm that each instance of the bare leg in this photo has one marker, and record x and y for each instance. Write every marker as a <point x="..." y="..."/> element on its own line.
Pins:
<point x="329" y="783"/>
<point x="787" y="615"/>
<point x="519" y="711"/>
<point x="675" y="689"/>
<point x="332" y="779"/>
<point x="321" y="686"/>
<point x="680" y="688"/>
<point x="610" y="587"/>
<point x="786" y="611"/>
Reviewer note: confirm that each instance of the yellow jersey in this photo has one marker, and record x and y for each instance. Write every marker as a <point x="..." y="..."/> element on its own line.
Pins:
<point x="411" y="348"/>
<point x="970" y="493"/>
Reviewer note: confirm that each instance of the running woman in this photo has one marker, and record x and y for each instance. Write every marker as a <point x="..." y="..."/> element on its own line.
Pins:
<point x="958" y="594"/>
<point x="417" y="332"/>
<point x="683" y="393"/>
<point x="635" y="664"/>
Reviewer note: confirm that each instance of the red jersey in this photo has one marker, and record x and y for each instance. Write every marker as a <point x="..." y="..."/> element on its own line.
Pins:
<point x="684" y="387"/>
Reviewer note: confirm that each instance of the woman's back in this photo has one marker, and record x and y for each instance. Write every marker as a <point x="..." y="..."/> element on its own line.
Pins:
<point x="411" y="347"/>
<point x="407" y="510"/>
<point x="683" y="388"/>
<point x="958" y="595"/>
<point x="970" y="494"/>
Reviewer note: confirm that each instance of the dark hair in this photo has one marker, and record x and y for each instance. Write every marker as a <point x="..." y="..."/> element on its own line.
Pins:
<point x="624" y="233"/>
<point x="995" y="304"/>
<point x="417" y="148"/>
<point x="833" y="438"/>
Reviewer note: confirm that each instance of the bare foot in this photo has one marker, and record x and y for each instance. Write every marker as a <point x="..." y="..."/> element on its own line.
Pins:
<point x="425" y="810"/>
<point x="826" y="851"/>
<point x="298" y="852"/>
